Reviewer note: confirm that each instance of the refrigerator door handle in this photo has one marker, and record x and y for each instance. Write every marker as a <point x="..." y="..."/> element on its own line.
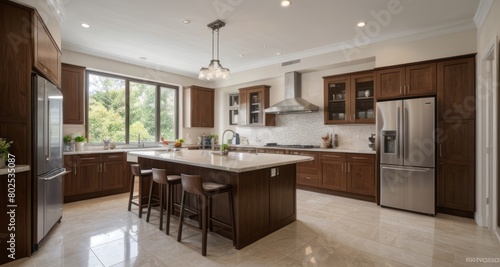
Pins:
<point x="63" y="172"/>
<point x="48" y="132"/>
<point x="406" y="130"/>
<point x="407" y="169"/>
<point x="398" y="129"/>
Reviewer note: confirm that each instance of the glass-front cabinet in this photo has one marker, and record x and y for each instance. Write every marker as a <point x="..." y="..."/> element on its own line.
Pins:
<point x="363" y="99"/>
<point x="336" y="100"/>
<point x="349" y="98"/>
<point x="253" y="101"/>
<point x="234" y="104"/>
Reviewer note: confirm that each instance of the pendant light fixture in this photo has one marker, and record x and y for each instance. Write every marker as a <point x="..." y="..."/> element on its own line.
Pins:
<point x="215" y="71"/>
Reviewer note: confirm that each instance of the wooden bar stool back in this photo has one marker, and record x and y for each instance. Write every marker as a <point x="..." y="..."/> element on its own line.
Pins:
<point x="166" y="184"/>
<point x="139" y="199"/>
<point x="192" y="184"/>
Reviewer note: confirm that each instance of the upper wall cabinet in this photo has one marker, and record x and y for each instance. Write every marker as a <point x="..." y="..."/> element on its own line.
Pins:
<point x="72" y="88"/>
<point x="253" y="101"/>
<point x="198" y="107"/>
<point x="349" y="98"/>
<point x="456" y="89"/>
<point x="47" y="56"/>
<point x="406" y="81"/>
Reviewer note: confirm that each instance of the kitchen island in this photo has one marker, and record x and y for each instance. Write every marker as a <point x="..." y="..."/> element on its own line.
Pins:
<point x="264" y="186"/>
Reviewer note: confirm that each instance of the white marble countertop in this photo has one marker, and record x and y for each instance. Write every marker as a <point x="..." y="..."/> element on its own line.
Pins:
<point x="18" y="169"/>
<point x="99" y="149"/>
<point x="233" y="162"/>
<point x="317" y="149"/>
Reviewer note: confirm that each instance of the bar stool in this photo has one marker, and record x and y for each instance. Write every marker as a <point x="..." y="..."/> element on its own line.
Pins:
<point x="166" y="183"/>
<point x="141" y="174"/>
<point x="192" y="184"/>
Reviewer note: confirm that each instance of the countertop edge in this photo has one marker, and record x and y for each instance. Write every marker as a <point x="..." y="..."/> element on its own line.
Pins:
<point x="230" y="169"/>
<point x="17" y="168"/>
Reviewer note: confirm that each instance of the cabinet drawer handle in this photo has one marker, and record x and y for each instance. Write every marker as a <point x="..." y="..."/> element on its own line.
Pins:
<point x="359" y="158"/>
<point x="87" y="158"/>
<point x="307" y="178"/>
<point x="114" y="157"/>
<point x="331" y="156"/>
<point x="74" y="169"/>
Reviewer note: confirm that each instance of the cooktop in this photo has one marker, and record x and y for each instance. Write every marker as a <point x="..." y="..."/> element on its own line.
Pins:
<point x="290" y="146"/>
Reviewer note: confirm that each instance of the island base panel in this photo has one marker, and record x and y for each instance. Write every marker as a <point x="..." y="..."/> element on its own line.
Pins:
<point x="263" y="204"/>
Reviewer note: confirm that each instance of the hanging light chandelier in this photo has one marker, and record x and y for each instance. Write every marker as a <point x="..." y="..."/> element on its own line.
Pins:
<point x="215" y="71"/>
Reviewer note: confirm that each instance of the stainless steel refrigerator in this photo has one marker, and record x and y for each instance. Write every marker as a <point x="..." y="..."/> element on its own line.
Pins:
<point x="407" y="154"/>
<point x="48" y="150"/>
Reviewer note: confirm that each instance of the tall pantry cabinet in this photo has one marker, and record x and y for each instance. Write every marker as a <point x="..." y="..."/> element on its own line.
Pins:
<point x="455" y="136"/>
<point x="26" y="45"/>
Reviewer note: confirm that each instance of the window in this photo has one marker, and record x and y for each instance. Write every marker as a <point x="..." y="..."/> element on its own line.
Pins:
<point x="122" y="108"/>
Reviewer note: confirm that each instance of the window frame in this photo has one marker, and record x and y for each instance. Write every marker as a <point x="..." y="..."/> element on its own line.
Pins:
<point x="127" y="102"/>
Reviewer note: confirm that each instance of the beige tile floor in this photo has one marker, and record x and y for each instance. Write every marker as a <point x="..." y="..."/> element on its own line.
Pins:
<point x="329" y="231"/>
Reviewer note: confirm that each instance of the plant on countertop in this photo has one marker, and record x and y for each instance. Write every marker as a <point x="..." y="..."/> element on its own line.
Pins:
<point x="4" y="148"/>
<point x="178" y="142"/>
<point x="80" y="138"/>
<point x="67" y="138"/>
<point x="225" y="147"/>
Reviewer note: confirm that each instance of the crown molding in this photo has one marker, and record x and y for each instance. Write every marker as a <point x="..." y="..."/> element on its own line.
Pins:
<point x="482" y="12"/>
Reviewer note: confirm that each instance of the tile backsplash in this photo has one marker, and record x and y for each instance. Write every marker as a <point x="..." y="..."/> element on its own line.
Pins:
<point x="307" y="129"/>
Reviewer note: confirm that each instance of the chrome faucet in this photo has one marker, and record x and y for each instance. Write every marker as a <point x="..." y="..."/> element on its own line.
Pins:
<point x="139" y="141"/>
<point x="222" y="141"/>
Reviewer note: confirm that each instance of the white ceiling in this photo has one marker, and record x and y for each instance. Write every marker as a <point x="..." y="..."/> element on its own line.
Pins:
<point x="126" y="30"/>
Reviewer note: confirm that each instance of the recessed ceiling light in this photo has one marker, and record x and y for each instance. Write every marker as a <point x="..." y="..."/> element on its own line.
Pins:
<point x="143" y="58"/>
<point x="285" y="3"/>
<point x="361" y="24"/>
<point x="85" y="25"/>
<point x="278" y="54"/>
<point x="241" y="55"/>
<point x="186" y="21"/>
<point x="265" y="46"/>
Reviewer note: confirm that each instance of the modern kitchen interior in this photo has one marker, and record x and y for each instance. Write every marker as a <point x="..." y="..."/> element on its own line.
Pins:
<point x="237" y="133"/>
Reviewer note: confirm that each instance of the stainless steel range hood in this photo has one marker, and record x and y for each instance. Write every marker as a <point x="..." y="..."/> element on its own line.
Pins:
<point x="293" y="102"/>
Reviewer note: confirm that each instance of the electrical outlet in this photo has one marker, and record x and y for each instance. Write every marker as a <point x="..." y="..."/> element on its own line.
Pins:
<point x="273" y="172"/>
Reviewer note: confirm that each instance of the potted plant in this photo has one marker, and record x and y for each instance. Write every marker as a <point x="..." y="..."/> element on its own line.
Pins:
<point x="79" y="141"/>
<point x="225" y="149"/>
<point x="4" y="151"/>
<point x="67" y="139"/>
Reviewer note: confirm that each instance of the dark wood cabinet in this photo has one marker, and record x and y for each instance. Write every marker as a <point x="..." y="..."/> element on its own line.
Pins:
<point x="349" y="98"/>
<point x="456" y="167"/>
<point x="72" y="88"/>
<point x="308" y="173"/>
<point x="351" y="173"/>
<point x="455" y="136"/>
<point x="406" y="81"/>
<point x="253" y="101"/>
<point x="95" y="175"/>
<point x="47" y="55"/>
<point x="199" y="107"/>
<point x="456" y="89"/>
<point x="113" y="171"/>
<point x="361" y="174"/>
<point x="88" y="173"/>
<point x="334" y="169"/>
<point x="69" y="180"/>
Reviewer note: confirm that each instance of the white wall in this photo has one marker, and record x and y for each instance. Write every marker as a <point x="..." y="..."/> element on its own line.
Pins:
<point x="486" y="34"/>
